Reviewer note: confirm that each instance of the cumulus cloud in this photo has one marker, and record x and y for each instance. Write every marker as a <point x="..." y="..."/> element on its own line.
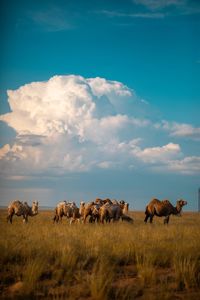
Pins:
<point x="76" y="124"/>
<point x="159" y="154"/>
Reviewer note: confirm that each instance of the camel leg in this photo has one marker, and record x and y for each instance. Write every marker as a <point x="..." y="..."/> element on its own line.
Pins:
<point x="146" y="218"/>
<point x="25" y="219"/>
<point x="151" y="218"/>
<point x="9" y="218"/>
<point x="102" y="219"/>
<point x="91" y="220"/>
<point x="166" y="220"/>
<point x="10" y="215"/>
<point x="85" y="217"/>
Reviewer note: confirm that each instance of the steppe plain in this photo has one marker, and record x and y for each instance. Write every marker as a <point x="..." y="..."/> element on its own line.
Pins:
<point x="42" y="260"/>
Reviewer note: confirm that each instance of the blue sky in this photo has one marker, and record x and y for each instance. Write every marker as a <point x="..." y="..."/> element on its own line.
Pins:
<point x="125" y="126"/>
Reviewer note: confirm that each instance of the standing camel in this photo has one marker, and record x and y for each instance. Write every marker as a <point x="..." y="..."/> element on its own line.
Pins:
<point x="68" y="209"/>
<point x="19" y="208"/>
<point x="162" y="209"/>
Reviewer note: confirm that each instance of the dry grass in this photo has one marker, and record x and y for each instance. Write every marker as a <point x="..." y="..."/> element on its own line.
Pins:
<point x="42" y="260"/>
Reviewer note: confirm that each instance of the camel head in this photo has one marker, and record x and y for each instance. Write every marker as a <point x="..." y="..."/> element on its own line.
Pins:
<point x="107" y="200"/>
<point x="122" y="204"/>
<point x="179" y="204"/>
<point x="82" y="204"/>
<point x="95" y="210"/>
<point x="99" y="201"/>
<point x="35" y="207"/>
<point x="72" y="204"/>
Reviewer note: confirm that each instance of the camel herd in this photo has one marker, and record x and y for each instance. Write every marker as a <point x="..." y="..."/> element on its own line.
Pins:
<point x="97" y="211"/>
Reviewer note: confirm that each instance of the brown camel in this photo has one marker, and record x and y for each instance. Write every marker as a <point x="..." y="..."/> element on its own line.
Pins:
<point x="163" y="209"/>
<point x="19" y="208"/>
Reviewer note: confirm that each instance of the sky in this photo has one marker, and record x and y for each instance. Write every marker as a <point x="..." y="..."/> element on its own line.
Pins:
<point x="100" y="99"/>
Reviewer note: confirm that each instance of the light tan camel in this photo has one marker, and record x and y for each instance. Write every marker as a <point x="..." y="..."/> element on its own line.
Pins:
<point x="68" y="209"/>
<point x="19" y="208"/>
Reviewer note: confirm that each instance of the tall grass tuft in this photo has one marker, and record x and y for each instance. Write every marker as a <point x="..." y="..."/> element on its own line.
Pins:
<point x="32" y="272"/>
<point x="100" y="280"/>
<point x="145" y="268"/>
<point x="186" y="272"/>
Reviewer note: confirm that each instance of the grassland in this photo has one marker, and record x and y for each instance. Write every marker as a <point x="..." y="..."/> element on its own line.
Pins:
<point x="42" y="260"/>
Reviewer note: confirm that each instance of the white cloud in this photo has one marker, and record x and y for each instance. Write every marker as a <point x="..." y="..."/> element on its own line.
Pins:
<point x="53" y="19"/>
<point x="146" y="15"/>
<point x="12" y="153"/>
<point x="159" y="154"/>
<point x="188" y="165"/>
<point x="157" y="5"/>
<point x="4" y="150"/>
<point x="74" y="124"/>
<point x="154" y="9"/>
<point x="180" y="130"/>
<point x="61" y="123"/>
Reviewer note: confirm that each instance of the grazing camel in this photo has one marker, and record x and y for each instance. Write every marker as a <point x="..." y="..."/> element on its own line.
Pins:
<point x="19" y="208"/>
<point x="163" y="209"/>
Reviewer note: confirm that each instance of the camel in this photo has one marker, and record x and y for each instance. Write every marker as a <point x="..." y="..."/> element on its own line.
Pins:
<point x="163" y="209"/>
<point x="68" y="209"/>
<point x="88" y="208"/>
<point x="19" y="208"/>
<point x="92" y="209"/>
<point x="110" y="211"/>
<point x="114" y="211"/>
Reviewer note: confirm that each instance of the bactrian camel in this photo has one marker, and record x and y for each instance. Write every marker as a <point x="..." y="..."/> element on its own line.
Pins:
<point x="163" y="209"/>
<point x="19" y="208"/>
<point x="114" y="210"/>
<point x="68" y="209"/>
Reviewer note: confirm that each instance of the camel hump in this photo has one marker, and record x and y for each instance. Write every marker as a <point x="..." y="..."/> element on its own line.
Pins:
<point x="15" y="203"/>
<point x="155" y="200"/>
<point x="165" y="201"/>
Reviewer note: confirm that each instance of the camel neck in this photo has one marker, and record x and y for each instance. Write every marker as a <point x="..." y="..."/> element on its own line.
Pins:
<point x="178" y="208"/>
